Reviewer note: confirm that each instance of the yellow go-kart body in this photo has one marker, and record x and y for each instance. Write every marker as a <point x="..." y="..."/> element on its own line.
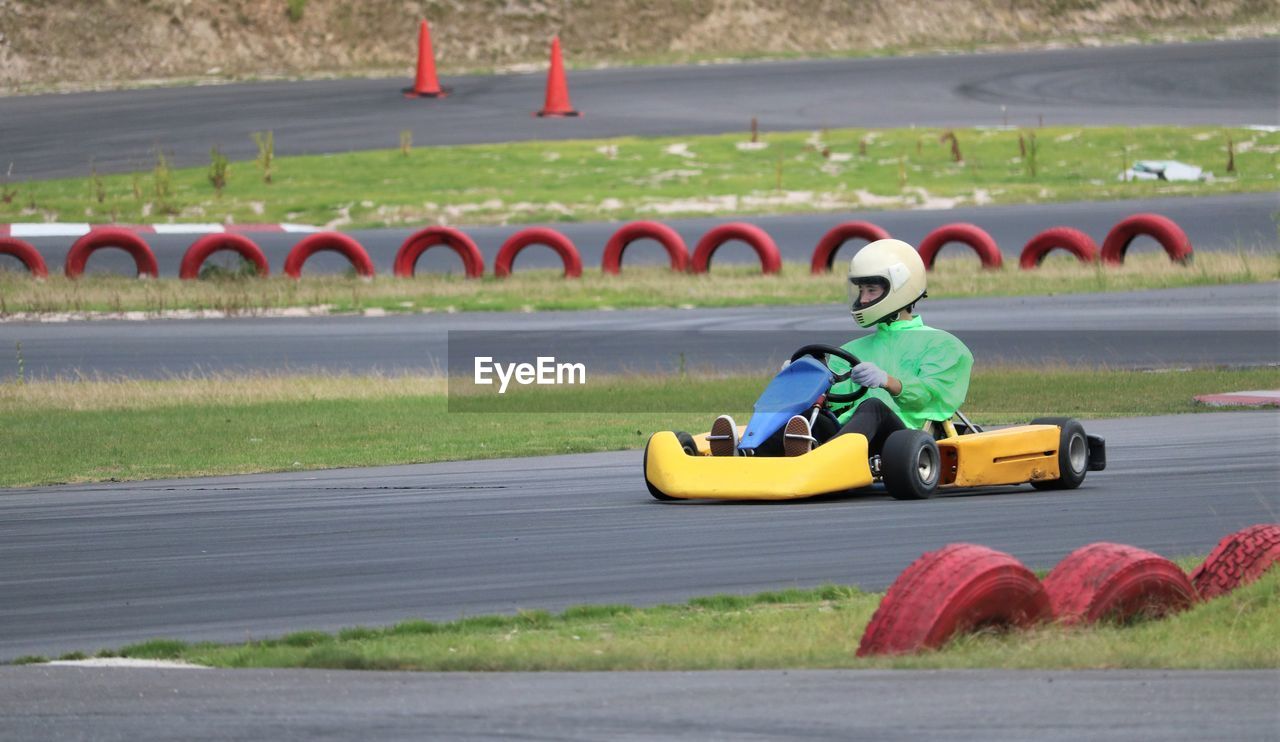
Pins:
<point x="1015" y="455"/>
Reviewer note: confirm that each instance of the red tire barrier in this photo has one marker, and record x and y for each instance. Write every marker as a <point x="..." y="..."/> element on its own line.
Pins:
<point x="1164" y="230"/>
<point x="202" y="248"/>
<point x="1073" y="241"/>
<point x="670" y="240"/>
<point x="131" y="243"/>
<point x="757" y="238"/>
<point x="26" y="253"/>
<point x="970" y="234"/>
<point x="951" y="591"/>
<point x="330" y="242"/>
<point x="454" y="239"/>
<point x="824" y="254"/>
<point x="1238" y="560"/>
<point x="538" y="236"/>
<point x="1115" y="581"/>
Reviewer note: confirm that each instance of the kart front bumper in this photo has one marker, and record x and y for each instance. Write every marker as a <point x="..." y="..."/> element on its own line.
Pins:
<point x="839" y="465"/>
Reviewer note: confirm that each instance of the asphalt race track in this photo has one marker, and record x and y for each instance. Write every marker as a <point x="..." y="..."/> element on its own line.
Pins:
<point x="1198" y="326"/>
<point x="1227" y="83"/>
<point x="101" y="565"/>
<point x="1232" y="223"/>
<point x="1119" y="705"/>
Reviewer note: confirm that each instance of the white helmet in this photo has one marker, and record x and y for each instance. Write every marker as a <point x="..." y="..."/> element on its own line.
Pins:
<point x="893" y="265"/>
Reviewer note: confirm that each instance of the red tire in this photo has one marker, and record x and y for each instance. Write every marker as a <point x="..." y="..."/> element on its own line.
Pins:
<point x="825" y="253"/>
<point x="538" y="236"/>
<point x="202" y="248"/>
<point x="97" y="239"/>
<point x="952" y="591"/>
<point x="23" y="251"/>
<point x="757" y="238"/>
<point x="1164" y="230"/>
<point x="670" y="240"/>
<point x="454" y="239"/>
<point x="970" y="234"/>
<point x="1238" y="560"/>
<point x="1114" y="581"/>
<point x="331" y="242"/>
<point x="1073" y="241"/>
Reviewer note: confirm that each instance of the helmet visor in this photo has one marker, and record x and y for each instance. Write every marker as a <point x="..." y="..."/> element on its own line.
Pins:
<point x="867" y="291"/>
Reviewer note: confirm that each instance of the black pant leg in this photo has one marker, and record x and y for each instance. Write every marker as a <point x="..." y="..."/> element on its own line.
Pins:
<point x="875" y="420"/>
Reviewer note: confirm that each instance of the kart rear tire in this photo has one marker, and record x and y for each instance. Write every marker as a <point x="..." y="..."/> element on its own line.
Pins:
<point x="1073" y="454"/>
<point x="1105" y="581"/>
<point x="1238" y="560"/>
<point x="910" y="465"/>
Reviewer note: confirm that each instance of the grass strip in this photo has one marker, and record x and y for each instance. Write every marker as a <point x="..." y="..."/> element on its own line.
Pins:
<point x="625" y="178"/>
<point x="637" y="287"/>
<point x="78" y="431"/>
<point x="790" y="629"/>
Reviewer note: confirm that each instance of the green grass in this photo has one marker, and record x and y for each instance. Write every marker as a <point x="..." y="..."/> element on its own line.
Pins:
<point x="668" y="176"/>
<point x="76" y="431"/>
<point x="638" y="286"/>
<point x="802" y="628"/>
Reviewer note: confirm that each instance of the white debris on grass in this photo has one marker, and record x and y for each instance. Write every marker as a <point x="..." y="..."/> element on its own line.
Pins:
<point x="550" y="156"/>
<point x="679" y="149"/>
<point x="130" y="662"/>
<point x="841" y="156"/>
<point x="609" y="150"/>
<point x="1170" y="170"/>
<point x="751" y="146"/>
<point x="704" y="205"/>
<point x="731" y="202"/>
<point x="660" y="177"/>
<point x="1250" y="145"/>
<point x="867" y="198"/>
<point x="322" y="310"/>
<point x="344" y="217"/>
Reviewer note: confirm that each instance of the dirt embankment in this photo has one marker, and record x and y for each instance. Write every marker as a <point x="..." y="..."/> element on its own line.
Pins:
<point x="75" y="44"/>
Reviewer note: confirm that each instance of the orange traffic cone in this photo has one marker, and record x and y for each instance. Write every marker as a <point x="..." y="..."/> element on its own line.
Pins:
<point x="557" y="88"/>
<point x="425" y="85"/>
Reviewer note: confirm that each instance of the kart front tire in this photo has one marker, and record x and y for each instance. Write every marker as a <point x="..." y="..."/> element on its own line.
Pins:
<point x="687" y="443"/>
<point x="910" y="465"/>
<point x="1073" y="454"/>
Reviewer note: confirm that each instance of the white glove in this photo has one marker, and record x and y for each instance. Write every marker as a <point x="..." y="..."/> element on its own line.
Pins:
<point x="869" y="375"/>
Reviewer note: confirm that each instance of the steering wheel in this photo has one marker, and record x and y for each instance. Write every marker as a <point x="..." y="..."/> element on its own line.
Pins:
<point x="819" y="351"/>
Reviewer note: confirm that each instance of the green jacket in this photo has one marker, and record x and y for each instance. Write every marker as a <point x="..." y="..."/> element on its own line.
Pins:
<point x="932" y="365"/>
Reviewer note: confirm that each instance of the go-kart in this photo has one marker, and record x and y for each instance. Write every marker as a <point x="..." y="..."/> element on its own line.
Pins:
<point x="1049" y="453"/>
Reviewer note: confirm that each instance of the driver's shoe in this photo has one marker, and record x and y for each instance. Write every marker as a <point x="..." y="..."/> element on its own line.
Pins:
<point x="797" y="439"/>
<point x="723" y="438"/>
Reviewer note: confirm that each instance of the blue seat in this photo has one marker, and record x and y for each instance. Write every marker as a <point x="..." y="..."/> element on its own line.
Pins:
<point x="793" y="391"/>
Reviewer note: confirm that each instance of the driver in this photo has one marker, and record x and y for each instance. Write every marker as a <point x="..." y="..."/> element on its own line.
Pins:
<point x="914" y="374"/>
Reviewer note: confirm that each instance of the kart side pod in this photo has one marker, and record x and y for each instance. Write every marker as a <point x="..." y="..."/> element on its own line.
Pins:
<point x="1026" y="453"/>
